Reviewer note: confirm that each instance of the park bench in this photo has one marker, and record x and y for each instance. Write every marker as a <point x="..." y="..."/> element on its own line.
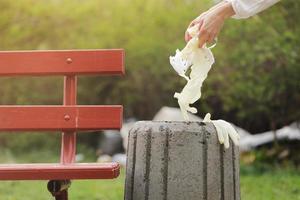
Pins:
<point x="68" y="118"/>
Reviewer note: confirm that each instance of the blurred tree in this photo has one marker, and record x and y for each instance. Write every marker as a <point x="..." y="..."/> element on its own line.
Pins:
<point x="261" y="88"/>
<point x="254" y="82"/>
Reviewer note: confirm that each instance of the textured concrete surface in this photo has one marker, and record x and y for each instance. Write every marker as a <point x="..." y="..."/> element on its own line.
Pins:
<point x="180" y="161"/>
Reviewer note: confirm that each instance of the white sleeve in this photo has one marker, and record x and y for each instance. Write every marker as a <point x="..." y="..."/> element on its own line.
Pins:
<point x="248" y="8"/>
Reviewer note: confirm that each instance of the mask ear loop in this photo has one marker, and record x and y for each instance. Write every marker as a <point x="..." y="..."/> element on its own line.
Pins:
<point x="214" y="44"/>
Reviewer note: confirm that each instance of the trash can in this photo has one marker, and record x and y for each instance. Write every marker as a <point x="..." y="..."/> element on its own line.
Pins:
<point x="180" y="161"/>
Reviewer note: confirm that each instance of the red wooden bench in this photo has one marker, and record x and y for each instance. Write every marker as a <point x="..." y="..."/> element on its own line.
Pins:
<point x="67" y="118"/>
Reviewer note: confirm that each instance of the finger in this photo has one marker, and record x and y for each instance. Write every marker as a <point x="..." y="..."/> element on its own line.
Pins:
<point x="207" y="118"/>
<point x="183" y="111"/>
<point x="187" y="36"/>
<point x="202" y="39"/>
<point x="233" y="134"/>
<point x="196" y="28"/>
<point x="234" y="137"/>
<point x="219" y="131"/>
<point x="192" y="109"/>
<point x="200" y="25"/>
<point x="226" y="141"/>
<point x="220" y="137"/>
<point x="192" y="23"/>
<point x="238" y="135"/>
<point x="203" y="36"/>
<point x="225" y="134"/>
<point x="196" y="21"/>
<point x="211" y="38"/>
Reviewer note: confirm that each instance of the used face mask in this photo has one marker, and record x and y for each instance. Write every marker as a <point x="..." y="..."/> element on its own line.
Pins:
<point x="200" y="61"/>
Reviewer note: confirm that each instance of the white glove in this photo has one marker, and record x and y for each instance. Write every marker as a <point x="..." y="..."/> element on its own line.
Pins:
<point x="200" y="60"/>
<point x="183" y="59"/>
<point x="224" y="130"/>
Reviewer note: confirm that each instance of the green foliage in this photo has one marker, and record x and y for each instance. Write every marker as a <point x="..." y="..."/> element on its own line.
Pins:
<point x="261" y="88"/>
<point x="254" y="83"/>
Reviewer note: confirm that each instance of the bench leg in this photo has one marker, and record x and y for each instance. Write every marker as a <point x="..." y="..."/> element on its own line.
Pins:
<point x="62" y="196"/>
<point x="59" y="188"/>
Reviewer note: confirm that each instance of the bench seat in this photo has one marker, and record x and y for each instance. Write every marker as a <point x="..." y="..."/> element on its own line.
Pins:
<point x="59" y="171"/>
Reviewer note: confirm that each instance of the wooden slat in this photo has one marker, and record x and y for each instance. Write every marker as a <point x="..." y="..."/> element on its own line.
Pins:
<point x="58" y="171"/>
<point x="63" y="62"/>
<point x="59" y="118"/>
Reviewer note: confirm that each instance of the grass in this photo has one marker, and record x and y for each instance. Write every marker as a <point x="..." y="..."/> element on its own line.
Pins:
<point x="274" y="185"/>
<point x="258" y="182"/>
<point x="37" y="190"/>
<point x="279" y="184"/>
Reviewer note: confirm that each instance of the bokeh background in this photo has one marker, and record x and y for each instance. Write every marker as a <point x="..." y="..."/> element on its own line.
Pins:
<point x="255" y="82"/>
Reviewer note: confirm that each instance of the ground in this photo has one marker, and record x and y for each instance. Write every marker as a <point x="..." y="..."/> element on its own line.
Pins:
<point x="259" y="180"/>
<point x="274" y="185"/>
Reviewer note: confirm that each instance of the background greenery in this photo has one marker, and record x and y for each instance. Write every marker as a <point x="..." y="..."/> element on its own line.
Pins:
<point x="255" y="185"/>
<point x="254" y="83"/>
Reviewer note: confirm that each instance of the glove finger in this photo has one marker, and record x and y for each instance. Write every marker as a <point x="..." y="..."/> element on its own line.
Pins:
<point x="219" y="132"/>
<point x="233" y="135"/>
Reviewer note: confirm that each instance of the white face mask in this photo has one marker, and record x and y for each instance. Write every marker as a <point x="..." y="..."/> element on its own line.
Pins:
<point x="200" y="60"/>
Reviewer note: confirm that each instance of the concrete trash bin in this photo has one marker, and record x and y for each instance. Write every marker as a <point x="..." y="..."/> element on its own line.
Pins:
<point x="180" y="161"/>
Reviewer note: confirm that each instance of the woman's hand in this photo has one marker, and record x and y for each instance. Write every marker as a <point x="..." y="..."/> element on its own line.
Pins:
<point x="211" y="22"/>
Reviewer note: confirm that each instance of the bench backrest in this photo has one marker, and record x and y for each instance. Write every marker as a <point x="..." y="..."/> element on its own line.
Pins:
<point x="69" y="117"/>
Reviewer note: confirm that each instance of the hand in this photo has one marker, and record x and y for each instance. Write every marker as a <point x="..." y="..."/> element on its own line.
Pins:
<point x="211" y="22"/>
<point x="197" y="21"/>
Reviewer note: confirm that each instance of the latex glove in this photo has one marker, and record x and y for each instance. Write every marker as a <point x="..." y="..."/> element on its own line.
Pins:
<point x="202" y="60"/>
<point x="184" y="59"/>
<point x="224" y="130"/>
<point x="179" y="64"/>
